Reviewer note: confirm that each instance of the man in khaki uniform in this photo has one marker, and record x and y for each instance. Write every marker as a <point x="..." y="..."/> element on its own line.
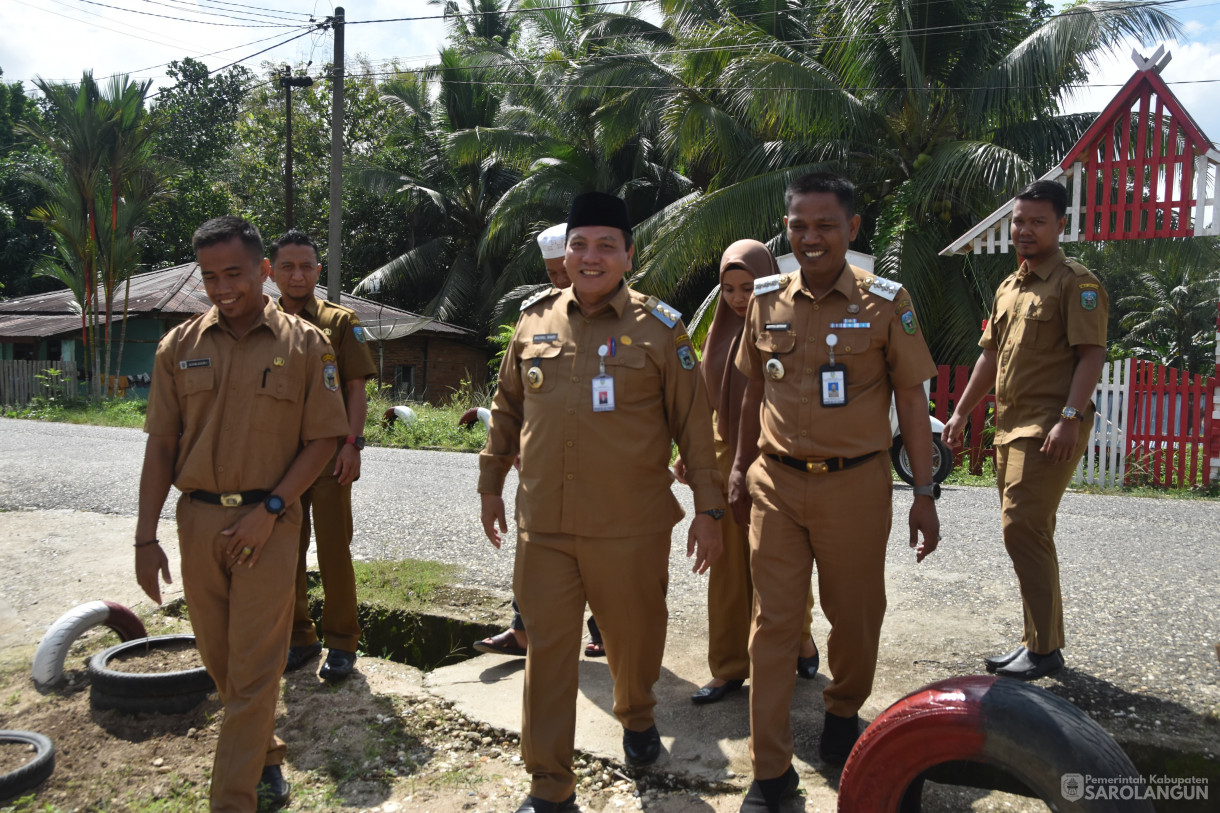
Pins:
<point x="823" y="349"/>
<point x="243" y="413"/>
<point x="1043" y="349"/>
<point x="295" y="269"/>
<point x="596" y="383"/>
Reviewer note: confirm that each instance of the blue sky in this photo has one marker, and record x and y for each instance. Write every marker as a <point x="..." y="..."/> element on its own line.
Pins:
<point x="58" y="39"/>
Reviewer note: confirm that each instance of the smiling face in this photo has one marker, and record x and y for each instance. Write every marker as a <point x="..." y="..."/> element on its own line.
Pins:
<point x="233" y="279"/>
<point x="736" y="286"/>
<point x="295" y="271"/>
<point x="557" y="273"/>
<point x="820" y="231"/>
<point x="597" y="258"/>
<point x="1036" y="229"/>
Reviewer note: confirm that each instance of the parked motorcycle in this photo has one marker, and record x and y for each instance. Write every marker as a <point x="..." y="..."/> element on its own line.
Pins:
<point x="942" y="456"/>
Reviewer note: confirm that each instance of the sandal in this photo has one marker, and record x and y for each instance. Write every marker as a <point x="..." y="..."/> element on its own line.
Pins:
<point x="503" y="644"/>
<point x="594" y="649"/>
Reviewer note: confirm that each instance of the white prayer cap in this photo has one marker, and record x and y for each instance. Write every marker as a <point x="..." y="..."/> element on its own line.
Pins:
<point x="551" y="241"/>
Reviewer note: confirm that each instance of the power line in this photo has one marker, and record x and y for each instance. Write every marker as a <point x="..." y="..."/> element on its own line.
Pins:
<point x="98" y="25"/>
<point x="243" y="59"/>
<point x="185" y="20"/>
<point x="220" y="5"/>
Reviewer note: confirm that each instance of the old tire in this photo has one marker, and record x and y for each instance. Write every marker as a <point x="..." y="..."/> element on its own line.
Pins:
<point x="107" y="683"/>
<point x="32" y="773"/>
<point x="1028" y="733"/>
<point x="152" y="704"/>
<point x="942" y="461"/>
<point x="48" y="666"/>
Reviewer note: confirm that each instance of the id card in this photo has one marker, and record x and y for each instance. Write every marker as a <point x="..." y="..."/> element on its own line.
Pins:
<point x="603" y="393"/>
<point x="834" y="385"/>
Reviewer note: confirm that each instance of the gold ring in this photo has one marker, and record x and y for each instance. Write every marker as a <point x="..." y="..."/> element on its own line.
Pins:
<point x="246" y="551"/>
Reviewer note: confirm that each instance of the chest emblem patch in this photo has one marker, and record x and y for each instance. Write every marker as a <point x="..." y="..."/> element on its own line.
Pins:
<point x="1088" y="300"/>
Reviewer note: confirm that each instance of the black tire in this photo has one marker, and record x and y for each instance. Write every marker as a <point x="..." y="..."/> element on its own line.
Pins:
<point x="942" y="461"/>
<point x="1040" y="740"/>
<point x="163" y="704"/>
<point x="139" y="685"/>
<point x="32" y="773"/>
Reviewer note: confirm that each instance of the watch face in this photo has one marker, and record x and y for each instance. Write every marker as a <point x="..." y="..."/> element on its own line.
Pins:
<point x="274" y="504"/>
<point x="359" y="444"/>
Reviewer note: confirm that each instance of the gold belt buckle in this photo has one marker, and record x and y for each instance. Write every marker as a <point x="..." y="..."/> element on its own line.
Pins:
<point x="230" y="500"/>
<point x="815" y="467"/>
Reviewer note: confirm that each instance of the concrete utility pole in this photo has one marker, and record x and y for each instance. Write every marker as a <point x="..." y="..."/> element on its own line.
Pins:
<point x="288" y="82"/>
<point x="334" y="243"/>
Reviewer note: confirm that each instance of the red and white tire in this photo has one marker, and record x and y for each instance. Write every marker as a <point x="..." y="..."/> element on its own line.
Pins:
<point x="48" y="668"/>
<point x="1034" y="736"/>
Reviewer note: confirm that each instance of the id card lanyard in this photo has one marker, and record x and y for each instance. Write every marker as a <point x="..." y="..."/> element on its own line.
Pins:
<point x="603" y="385"/>
<point x="833" y="377"/>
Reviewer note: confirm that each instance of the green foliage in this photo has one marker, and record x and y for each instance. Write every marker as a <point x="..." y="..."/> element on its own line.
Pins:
<point x="128" y="412"/>
<point x="401" y="583"/>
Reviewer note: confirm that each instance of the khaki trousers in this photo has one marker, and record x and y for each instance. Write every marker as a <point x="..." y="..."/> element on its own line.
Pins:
<point x="624" y="582"/>
<point x="332" y="525"/>
<point x="841" y="520"/>
<point x="1031" y="487"/>
<point x="242" y="620"/>
<point x="730" y="594"/>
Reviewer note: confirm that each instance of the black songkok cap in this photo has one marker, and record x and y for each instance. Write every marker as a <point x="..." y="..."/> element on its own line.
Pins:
<point x="598" y="209"/>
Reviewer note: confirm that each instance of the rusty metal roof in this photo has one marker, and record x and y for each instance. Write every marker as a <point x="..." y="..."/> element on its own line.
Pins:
<point x="178" y="290"/>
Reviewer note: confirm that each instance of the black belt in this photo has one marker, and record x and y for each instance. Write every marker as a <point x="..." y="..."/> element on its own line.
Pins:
<point x="822" y="466"/>
<point x="233" y="499"/>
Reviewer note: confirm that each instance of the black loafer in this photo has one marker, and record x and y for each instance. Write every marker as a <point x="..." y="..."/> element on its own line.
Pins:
<point x="1030" y="666"/>
<point x="996" y="661"/>
<point x="765" y="796"/>
<point x="534" y="804"/>
<point x="808" y="667"/>
<point x="272" y="788"/>
<point x="714" y="694"/>
<point x="642" y="747"/>
<point x="298" y="656"/>
<point x="839" y="735"/>
<point x="339" y="665"/>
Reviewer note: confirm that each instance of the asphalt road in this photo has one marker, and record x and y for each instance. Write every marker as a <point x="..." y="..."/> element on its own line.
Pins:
<point x="1141" y="577"/>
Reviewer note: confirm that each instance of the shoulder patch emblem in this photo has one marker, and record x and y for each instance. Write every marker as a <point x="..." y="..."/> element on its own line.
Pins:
<point x="358" y="332"/>
<point x="666" y="313"/>
<point x="908" y="322"/>
<point x="330" y="373"/>
<point x="686" y="356"/>
<point x="765" y="285"/>
<point x="538" y="297"/>
<point x="884" y="288"/>
<point x="1088" y="299"/>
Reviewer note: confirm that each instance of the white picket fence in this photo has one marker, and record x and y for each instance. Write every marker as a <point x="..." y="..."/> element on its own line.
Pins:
<point x="20" y="381"/>
<point x="1104" y="460"/>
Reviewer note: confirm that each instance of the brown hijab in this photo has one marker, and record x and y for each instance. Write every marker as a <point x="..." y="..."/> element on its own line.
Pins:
<point x="726" y="386"/>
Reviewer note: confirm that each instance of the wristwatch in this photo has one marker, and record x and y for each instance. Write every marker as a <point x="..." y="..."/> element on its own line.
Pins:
<point x="1070" y="413"/>
<point x="274" y="505"/>
<point x="714" y="513"/>
<point x="932" y="491"/>
<point x="357" y="441"/>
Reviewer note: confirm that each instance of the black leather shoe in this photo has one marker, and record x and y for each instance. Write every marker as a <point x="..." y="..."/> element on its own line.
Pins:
<point x="339" y="665"/>
<point x="765" y="796"/>
<point x="272" y="789"/>
<point x="714" y="694"/>
<point x="839" y="735"/>
<point x="808" y="667"/>
<point x="298" y="656"/>
<point x="1029" y="666"/>
<point x="533" y="804"/>
<point x="642" y="747"/>
<point x="996" y="661"/>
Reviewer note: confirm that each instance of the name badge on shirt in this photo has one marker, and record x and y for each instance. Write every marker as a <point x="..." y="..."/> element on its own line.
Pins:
<point x="539" y="338"/>
<point x="834" y="385"/>
<point x="189" y="363"/>
<point x="603" y="393"/>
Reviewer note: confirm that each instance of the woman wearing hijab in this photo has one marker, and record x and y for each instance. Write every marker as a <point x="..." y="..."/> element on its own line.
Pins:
<point x="730" y="591"/>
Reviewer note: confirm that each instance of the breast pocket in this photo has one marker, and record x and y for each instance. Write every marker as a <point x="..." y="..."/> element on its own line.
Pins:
<point x="1039" y="329"/>
<point x="634" y="376"/>
<point x="540" y="367"/>
<point x="777" y="346"/>
<point x="277" y="404"/>
<point x="198" y="385"/>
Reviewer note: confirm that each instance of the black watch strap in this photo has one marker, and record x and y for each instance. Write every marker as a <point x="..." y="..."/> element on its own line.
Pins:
<point x="714" y="513"/>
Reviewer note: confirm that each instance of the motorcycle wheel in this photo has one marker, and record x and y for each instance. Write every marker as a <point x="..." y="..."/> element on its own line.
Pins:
<point x="942" y="461"/>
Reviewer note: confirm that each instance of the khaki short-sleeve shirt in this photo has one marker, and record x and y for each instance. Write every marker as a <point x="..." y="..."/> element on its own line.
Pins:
<point x="878" y="341"/>
<point x="243" y="408"/>
<point x="599" y="473"/>
<point x="1036" y="320"/>
<point x="342" y="328"/>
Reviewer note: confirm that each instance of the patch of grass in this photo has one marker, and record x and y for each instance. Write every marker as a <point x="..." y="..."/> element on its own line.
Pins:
<point x="27" y="804"/>
<point x="126" y="412"/>
<point x="404" y="583"/>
